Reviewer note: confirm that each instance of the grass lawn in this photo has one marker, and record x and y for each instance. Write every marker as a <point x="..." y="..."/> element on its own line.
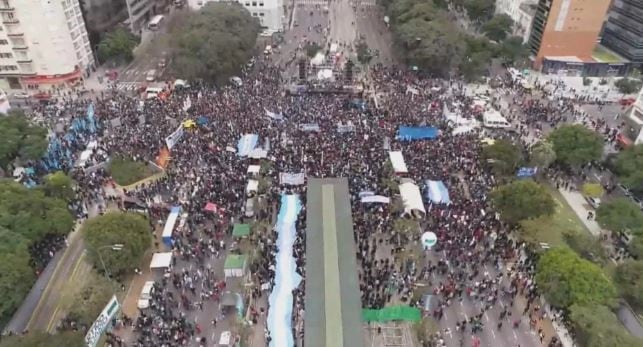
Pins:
<point x="550" y="229"/>
<point x="126" y="171"/>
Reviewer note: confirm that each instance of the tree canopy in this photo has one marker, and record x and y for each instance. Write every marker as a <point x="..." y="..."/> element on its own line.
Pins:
<point x="593" y="190"/>
<point x="118" y="45"/>
<point x="503" y="156"/>
<point x="214" y="43"/>
<point x="480" y="10"/>
<point x="566" y="279"/>
<point x="629" y="168"/>
<point x="128" y="229"/>
<point x="26" y="216"/>
<point x="629" y="279"/>
<point x="20" y="139"/>
<point x="59" y="185"/>
<point x="628" y="85"/>
<point x="523" y="199"/>
<point x="636" y="247"/>
<point x="576" y="145"/>
<point x="41" y="339"/>
<point x="498" y="27"/>
<point x="598" y="326"/>
<point x="542" y="154"/>
<point x="619" y="215"/>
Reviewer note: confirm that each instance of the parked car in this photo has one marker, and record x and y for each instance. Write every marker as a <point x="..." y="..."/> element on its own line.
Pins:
<point x="594" y="202"/>
<point x="150" y="76"/>
<point x="624" y="189"/>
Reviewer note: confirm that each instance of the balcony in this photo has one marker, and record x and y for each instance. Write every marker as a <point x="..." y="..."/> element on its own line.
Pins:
<point x="10" y="21"/>
<point x="6" y="8"/>
<point x="15" y="34"/>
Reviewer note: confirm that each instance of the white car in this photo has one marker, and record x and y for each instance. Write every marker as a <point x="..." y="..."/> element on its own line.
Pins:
<point x="21" y="95"/>
<point x="150" y="76"/>
<point x="594" y="202"/>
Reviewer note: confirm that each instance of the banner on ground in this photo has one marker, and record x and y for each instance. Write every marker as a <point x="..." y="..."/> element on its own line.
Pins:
<point x="273" y="115"/>
<point x="174" y="137"/>
<point x="412" y="90"/>
<point x="392" y="313"/>
<point x="187" y="104"/>
<point x="408" y="133"/>
<point x="526" y="171"/>
<point x="345" y="128"/>
<point x="293" y="179"/>
<point x="310" y="127"/>
<point x="102" y="322"/>
<point x="246" y="144"/>
<point x="378" y="199"/>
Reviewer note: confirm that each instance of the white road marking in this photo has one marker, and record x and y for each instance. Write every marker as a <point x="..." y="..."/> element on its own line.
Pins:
<point x="493" y="334"/>
<point x="515" y="336"/>
<point x="486" y="316"/>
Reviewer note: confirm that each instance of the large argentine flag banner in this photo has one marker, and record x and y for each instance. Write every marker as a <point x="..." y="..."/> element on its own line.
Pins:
<point x="246" y="144"/>
<point x="437" y="192"/>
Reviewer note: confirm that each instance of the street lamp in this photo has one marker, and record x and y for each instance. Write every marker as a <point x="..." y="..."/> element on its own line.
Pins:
<point x="117" y="247"/>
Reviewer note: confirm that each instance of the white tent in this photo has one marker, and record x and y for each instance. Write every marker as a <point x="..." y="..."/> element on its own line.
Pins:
<point x="254" y="169"/>
<point x="161" y="260"/>
<point x="412" y="198"/>
<point x="318" y="59"/>
<point x="253" y="186"/>
<point x="397" y="159"/>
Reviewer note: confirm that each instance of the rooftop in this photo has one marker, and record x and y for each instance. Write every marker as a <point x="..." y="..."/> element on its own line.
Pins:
<point x="529" y="7"/>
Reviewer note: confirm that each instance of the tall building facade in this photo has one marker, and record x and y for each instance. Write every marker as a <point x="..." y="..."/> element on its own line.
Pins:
<point x="623" y="32"/>
<point x="43" y="43"/>
<point x="566" y="28"/>
<point x="269" y="12"/>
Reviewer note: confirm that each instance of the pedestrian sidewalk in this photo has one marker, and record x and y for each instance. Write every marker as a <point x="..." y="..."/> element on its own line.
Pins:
<point x="577" y="202"/>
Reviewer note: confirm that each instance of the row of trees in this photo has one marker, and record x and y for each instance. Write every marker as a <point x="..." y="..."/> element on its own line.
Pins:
<point x="427" y="37"/>
<point x="28" y="216"/>
<point x="20" y="139"/>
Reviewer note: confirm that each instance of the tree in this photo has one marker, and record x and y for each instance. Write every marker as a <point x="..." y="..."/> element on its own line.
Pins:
<point x="597" y="326"/>
<point x="480" y="10"/>
<point x="521" y="200"/>
<point x="364" y="55"/>
<point x="542" y="154"/>
<point x="576" y="145"/>
<point x="20" y="139"/>
<point x="619" y="215"/>
<point x="498" y="27"/>
<point x="28" y="212"/>
<point x="41" y="339"/>
<point x="512" y="50"/>
<point x="636" y="247"/>
<point x="311" y="49"/>
<point x="90" y="300"/>
<point x="586" y="245"/>
<point x="215" y="42"/>
<point x="118" y="45"/>
<point x="566" y="279"/>
<point x="628" y="85"/>
<point x="503" y="156"/>
<point x="629" y="279"/>
<point x="629" y="168"/>
<point x="593" y="190"/>
<point x="128" y="229"/>
<point x="59" y="185"/>
<point x="16" y="276"/>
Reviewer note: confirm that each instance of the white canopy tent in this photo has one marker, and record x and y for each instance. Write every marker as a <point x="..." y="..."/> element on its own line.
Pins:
<point x="412" y="198"/>
<point x="253" y="186"/>
<point x="397" y="160"/>
<point x="161" y="260"/>
<point x="254" y="169"/>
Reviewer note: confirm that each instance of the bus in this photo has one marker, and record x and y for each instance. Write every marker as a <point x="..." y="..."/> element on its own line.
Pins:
<point x="155" y="23"/>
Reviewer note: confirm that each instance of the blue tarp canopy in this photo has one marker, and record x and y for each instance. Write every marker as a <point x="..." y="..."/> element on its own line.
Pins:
<point x="437" y="192"/>
<point x="407" y="133"/>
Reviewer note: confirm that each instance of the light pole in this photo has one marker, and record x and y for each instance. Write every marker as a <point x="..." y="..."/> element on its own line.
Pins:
<point x="117" y="247"/>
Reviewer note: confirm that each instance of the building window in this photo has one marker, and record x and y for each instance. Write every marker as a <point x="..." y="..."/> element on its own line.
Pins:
<point x="4" y="42"/>
<point x="5" y="4"/>
<point x="8" y="68"/>
<point x="261" y="14"/>
<point x="254" y="14"/>
<point x="18" y="41"/>
<point x="254" y="4"/>
<point x="6" y="55"/>
<point x="261" y="4"/>
<point x="247" y="4"/>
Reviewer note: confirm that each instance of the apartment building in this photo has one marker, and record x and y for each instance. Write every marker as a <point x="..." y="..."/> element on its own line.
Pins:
<point x="42" y="44"/>
<point x="140" y="12"/>
<point x="566" y="30"/>
<point x="623" y="32"/>
<point x="522" y="12"/>
<point x="269" y="12"/>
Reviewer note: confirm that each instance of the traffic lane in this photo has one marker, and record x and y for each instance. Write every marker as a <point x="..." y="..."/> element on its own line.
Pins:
<point x="377" y="35"/>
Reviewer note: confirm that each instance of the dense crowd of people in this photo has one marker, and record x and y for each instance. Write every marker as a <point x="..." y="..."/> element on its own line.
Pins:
<point x="476" y="257"/>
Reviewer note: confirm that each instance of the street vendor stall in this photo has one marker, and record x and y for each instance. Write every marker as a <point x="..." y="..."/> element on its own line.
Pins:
<point x="235" y="265"/>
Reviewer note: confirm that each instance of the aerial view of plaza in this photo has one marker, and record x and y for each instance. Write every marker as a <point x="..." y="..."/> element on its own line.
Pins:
<point x="321" y="173"/>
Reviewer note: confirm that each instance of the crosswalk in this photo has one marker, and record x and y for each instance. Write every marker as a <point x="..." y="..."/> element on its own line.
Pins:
<point x="128" y="86"/>
<point x="312" y="2"/>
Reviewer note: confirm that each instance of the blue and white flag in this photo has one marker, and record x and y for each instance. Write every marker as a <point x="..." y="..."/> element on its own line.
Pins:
<point x="437" y="192"/>
<point x="246" y="144"/>
<point x="526" y="171"/>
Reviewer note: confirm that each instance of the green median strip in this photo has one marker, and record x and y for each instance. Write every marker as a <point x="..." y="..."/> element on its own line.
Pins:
<point x="332" y="292"/>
